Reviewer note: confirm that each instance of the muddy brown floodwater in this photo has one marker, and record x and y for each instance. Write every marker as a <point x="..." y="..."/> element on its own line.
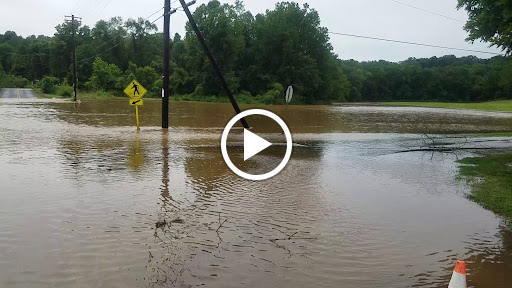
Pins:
<point x="81" y="191"/>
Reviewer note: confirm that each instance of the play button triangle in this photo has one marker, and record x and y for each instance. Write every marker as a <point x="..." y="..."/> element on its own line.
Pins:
<point x="253" y="144"/>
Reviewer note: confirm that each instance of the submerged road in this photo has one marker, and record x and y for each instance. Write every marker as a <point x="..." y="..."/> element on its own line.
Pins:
<point x="17" y="93"/>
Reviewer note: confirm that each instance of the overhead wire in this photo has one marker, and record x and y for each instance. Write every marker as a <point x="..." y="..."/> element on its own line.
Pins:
<point x="89" y="58"/>
<point x="91" y="11"/>
<point x="74" y="6"/>
<point x="99" y="13"/>
<point x="428" y="11"/>
<point x="414" y="43"/>
<point x="154" y="13"/>
<point x="85" y="7"/>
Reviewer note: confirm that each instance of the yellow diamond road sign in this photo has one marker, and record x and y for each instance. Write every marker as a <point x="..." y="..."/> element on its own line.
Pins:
<point x="136" y="102"/>
<point x="135" y="90"/>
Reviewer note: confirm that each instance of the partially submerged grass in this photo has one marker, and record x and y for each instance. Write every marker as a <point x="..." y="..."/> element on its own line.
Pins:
<point x="40" y="94"/>
<point x="502" y="105"/>
<point x="96" y="95"/>
<point x="491" y="180"/>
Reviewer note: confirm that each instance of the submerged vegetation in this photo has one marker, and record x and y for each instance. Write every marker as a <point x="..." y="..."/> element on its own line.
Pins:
<point x="491" y="180"/>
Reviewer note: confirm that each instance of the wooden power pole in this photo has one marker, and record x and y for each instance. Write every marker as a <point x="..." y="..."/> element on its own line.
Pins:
<point x="74" y="20"/>
<point x="165" y="80"/>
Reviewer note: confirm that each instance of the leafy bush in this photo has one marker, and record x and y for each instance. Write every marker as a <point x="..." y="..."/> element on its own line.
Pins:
<point x="273" y="96"/>
<point x="65" y="90"/>
<point x="11" y="81"/>
<point x="106" y="77"/>
<point x="47" y="84"/>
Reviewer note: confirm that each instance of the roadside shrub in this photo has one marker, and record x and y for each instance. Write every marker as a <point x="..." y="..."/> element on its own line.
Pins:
<point x="245" y="97"/>
<point x="47" y="85"/>
<point x="11" y="81"/>
<point x="65" y="90"/>
<point x="273" y="96"/>
<point x="106" y="77"/>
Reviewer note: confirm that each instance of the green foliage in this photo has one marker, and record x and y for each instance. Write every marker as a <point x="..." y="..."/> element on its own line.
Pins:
<point x="2" y="72"/>
<point x="48" y="84"/>
<point x="64" y="90"/>
<point x="444" y="79"/>
<point x="106" y="77"/>
<point x="273" y="96"/>
<point x="490" y="21"/>
<point x="11" y="81"/>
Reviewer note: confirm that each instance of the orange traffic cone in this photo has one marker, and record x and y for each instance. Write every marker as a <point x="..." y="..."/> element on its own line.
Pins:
<point x="459" y="275"/>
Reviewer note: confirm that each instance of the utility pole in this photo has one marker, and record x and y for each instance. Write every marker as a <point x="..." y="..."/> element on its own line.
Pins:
<point x="165" y="80"/>
<point x="79" y="21"/>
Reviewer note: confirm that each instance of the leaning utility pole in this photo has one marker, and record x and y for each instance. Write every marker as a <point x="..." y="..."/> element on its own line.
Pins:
<point x="78" y="20"/>
<point x="165" y="80"/>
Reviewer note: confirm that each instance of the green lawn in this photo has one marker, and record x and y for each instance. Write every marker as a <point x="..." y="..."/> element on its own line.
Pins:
<point x="491" y="180"/>
<point x="503" y="105"/>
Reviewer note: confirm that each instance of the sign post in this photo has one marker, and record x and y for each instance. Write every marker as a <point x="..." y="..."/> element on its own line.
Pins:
<point x="135" y="91"/>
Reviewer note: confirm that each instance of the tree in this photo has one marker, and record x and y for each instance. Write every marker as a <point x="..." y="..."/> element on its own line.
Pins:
<point x="106" y="77"/>
<point x="490" y="21"/>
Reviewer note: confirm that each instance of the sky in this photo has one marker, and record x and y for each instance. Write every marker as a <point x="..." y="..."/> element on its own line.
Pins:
<point x="375" y="18"/>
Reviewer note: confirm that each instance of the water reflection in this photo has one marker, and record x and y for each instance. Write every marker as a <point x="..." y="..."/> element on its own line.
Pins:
<point x="136" y="156"/>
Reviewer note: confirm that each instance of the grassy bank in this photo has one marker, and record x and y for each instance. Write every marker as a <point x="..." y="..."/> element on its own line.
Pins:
<point x="491" y="180"/>
<point x="503" y="105"/>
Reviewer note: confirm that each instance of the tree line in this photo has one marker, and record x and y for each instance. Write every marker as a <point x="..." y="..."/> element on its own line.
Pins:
<point x="259" y="55"/>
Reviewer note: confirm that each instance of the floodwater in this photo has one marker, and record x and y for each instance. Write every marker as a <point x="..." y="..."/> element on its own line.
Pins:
<point x="81" y="191"/>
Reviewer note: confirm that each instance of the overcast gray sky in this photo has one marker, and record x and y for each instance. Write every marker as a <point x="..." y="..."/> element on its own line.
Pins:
<point x="376" y="18"/>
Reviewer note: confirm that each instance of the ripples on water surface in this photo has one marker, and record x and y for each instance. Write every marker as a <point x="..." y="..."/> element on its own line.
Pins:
<point x="81" y="191"/>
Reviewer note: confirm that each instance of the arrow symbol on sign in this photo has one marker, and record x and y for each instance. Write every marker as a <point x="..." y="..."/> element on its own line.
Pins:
<point x="134" y="102"/>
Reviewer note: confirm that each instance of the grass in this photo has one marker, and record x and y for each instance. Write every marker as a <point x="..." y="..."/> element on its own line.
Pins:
<point x="491" y="180"/>
<point x="502" y="105"/>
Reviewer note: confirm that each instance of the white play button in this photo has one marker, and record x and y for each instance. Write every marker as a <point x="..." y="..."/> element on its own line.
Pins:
<point x="253" y="144"/>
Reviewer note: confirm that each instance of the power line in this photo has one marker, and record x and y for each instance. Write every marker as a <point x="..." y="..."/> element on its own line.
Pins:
<point x="424" y="10"/>
<point x="90" y="12"/>
<point x="99" y="13"/>
<point x="414" y="43"/>
<point x="157" y="19"/>
<point x="76" y="3"/>
<point x="154" y="13"/>
<point x="89" y="58"/>
<point x="85" y="8"/>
